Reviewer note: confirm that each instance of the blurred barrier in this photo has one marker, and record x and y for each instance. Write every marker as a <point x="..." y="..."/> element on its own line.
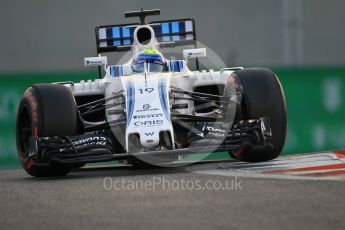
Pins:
<point x="315" y="101"/>
<point x="316" y="108"/>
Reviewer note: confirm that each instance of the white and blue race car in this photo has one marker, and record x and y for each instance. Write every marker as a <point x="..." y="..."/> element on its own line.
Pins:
<point x="150" y="110"/>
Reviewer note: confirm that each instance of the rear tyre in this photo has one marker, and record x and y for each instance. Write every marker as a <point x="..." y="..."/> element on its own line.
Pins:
<point x="45" y="110"/>
<point x="263" y="96"/>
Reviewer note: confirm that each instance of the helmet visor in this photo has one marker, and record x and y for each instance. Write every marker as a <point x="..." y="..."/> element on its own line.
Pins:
<point x="152" y="63"/>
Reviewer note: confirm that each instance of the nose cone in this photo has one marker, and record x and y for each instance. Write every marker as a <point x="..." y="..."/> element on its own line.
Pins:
<point x="147" y="107"/>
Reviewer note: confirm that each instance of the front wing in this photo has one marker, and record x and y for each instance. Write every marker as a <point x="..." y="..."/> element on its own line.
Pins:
<point x="98" y="147"/>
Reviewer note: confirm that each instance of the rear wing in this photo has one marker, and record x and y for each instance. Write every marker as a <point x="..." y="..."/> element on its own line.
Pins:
<point x="113" y="38"/>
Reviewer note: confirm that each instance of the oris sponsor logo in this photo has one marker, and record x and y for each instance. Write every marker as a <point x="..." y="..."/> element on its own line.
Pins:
<point x="148" y="123"/>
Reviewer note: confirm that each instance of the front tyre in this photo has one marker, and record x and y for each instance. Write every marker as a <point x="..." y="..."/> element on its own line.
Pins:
<point x="263" y="96"/>
<point x="44" y="110"/>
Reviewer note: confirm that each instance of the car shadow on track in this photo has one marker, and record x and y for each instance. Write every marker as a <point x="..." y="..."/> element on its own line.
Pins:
<point x="123" y="171"/>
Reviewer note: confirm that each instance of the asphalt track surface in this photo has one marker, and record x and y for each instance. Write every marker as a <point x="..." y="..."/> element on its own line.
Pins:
<point x="89" y="199"/>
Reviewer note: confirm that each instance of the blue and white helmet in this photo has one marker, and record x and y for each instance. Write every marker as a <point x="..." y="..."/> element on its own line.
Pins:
<point x="150" y="59"/>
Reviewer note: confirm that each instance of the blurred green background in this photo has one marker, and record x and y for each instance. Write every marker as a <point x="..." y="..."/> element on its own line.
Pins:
<point x="314" y="99"/>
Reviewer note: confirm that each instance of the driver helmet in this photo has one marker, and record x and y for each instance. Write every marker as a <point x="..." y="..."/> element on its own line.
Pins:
<point x="150" y="59"/>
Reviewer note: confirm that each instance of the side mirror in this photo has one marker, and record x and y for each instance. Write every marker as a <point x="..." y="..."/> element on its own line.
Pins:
<point x="194" y="53"/>
<point x="95" y="61"/>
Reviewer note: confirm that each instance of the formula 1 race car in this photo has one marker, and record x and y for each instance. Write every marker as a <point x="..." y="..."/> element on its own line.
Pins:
<point x="150" y="110"/>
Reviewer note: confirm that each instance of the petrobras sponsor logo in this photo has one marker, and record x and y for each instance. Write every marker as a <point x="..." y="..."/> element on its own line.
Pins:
<point x="148" y="116"/>
<point x="148" y="123"/>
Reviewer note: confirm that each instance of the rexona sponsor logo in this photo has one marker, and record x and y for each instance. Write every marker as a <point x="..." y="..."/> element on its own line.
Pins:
<point x="148" y="123"/>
